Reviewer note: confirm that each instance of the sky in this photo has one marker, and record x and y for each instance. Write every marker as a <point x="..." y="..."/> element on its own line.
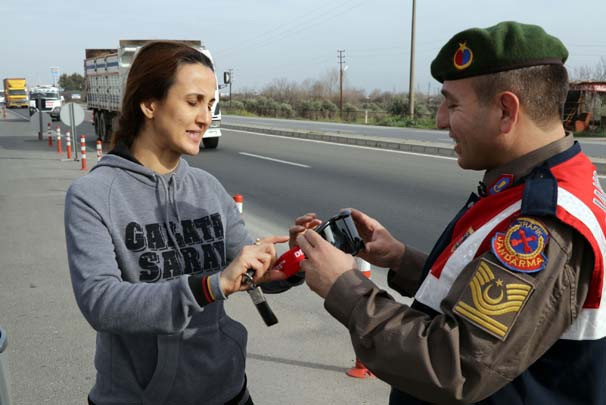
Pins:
<point x="266" y="40"/>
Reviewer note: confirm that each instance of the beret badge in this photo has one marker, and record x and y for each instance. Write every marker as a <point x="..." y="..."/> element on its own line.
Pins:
<point x="463" y="57"/>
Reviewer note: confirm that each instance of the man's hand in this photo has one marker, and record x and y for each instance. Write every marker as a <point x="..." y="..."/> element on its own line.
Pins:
<point x="324" y="263"/>
<point x="381" y="248"/>
<point x="304" y="222"/>
<point x="259" y="257"/>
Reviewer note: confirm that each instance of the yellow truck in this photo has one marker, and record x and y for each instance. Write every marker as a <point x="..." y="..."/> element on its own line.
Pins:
<point x="15" y="93"/>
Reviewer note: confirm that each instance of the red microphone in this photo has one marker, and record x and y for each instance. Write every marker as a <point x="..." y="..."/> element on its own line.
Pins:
<point x="290" y="262"/>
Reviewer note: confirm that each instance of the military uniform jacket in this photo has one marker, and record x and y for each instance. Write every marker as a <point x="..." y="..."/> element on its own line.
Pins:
<point x="508" y="305"/>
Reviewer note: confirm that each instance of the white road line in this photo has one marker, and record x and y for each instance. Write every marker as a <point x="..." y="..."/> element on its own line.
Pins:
<point x="274" y="160"/>
<point x="345" y="145"/>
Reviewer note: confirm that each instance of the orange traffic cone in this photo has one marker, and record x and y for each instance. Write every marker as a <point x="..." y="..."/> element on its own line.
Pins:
<point x="83" y="151"/>
<point x="59" y="144"/>
<point x="68" y="144"/>
<point x="99" y="149"/>
<point x="239" y="201"/>
<point x="50" y="136"/>
<point x="359" y="370"/>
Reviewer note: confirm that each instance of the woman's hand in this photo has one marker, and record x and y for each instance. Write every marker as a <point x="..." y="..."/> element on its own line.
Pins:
<point x="259" y="257"/>
<point x="307" y="221"/>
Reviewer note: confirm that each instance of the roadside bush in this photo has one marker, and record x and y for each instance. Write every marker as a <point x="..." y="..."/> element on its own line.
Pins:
<point x="286" y="110"/>
<point x="234" y="104"/>
<point x="250" y="104"/>
<point x="350" y="112"/>
<point x="304" y="109"/>
<point x="397" y="106"/>
<point x="328" y="109"/>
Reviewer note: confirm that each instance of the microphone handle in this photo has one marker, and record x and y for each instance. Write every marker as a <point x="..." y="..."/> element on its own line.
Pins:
<point x="256" y="294"/>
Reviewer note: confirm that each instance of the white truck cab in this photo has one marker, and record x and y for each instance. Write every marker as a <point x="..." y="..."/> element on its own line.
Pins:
<point x="46" y="98"/>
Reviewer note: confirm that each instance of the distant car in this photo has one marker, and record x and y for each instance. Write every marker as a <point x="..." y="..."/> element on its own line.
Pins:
<point x="76" y="96"/>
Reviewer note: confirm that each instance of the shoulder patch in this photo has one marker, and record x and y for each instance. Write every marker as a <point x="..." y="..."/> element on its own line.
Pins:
<point x="521" y="247"/>
<point x="500" y="184"/>
<point x="493" y="299"/>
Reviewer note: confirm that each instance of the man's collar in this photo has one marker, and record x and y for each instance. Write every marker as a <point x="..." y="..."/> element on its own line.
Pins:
<point x="523" y="165"/>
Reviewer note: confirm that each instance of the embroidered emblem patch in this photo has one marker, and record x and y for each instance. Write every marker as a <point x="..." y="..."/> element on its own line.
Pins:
<point x="521" y="247"/>
<point x="462" y="239"/>
<point x="493" y="299"/>
<point x="462" y="57"/>
<point x="501" y="184"/>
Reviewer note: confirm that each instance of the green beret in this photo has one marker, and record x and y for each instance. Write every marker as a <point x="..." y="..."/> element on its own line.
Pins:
<point x="505" y="46"/>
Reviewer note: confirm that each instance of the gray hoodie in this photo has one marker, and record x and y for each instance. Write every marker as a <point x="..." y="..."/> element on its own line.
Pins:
<point x="157" y="343"/>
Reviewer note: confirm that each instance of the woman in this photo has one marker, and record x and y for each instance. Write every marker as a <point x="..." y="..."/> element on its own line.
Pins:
<point x="155" y="246"/>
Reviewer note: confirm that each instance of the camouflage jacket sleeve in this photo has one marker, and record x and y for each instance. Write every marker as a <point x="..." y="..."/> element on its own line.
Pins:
<point x="448" y="358"/>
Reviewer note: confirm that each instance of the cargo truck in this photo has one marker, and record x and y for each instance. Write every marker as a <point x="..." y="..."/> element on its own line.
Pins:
<point x="46" y="98"/>
<point x="105" y="73"/>
<point x="15" y="93"/>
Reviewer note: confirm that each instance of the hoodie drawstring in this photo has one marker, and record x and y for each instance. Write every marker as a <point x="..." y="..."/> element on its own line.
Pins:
<point x="169" y="201"/>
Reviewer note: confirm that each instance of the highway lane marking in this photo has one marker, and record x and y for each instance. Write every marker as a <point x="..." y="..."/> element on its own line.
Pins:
<point x="274" y="160"/>
<point x="346" y="145"/>
<point x="601" y="176"/>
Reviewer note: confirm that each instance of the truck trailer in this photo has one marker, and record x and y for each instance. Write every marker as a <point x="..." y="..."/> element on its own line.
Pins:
<point x="15" y="93"/>
<point x="105" y="73"/>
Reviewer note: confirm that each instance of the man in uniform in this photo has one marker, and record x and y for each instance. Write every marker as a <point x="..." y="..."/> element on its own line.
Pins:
<point x="509" y="306"/>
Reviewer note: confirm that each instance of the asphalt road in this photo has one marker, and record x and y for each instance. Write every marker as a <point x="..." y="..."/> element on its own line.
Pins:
<point x="399" y="189"/>
<point x="301" y="360"/>
<point x="592" y="147"/>
<point x="50" y="349"/>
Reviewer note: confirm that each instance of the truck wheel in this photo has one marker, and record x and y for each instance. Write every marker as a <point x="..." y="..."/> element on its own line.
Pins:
<point x="210" y="143"/>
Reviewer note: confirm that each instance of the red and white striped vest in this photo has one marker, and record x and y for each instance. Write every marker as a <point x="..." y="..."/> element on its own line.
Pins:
<point x="578" y="200"/>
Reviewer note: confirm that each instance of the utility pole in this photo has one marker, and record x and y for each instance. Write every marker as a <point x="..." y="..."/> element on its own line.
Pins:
<point x="231" y="77"/>
<point x="411" y="96"/>
<point x="341" y="62"/>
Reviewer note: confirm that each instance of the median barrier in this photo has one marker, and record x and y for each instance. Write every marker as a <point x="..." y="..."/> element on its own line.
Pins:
<point x="429" y="148"/>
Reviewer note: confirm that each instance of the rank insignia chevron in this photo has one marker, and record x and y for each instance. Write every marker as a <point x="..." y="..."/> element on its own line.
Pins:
<point x="494" y="299"/>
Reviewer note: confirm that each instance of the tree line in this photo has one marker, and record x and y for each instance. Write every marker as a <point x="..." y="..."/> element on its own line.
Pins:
<point x="319" y="99"/>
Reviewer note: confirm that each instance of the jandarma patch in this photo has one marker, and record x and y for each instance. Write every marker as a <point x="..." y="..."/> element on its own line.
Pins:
<point x="493" y="299"/>
<point x="521" y="247"/>
<point x="462" y="57"/>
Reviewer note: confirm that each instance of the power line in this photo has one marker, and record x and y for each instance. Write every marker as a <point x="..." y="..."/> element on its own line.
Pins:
<point x="276" y="34"/>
